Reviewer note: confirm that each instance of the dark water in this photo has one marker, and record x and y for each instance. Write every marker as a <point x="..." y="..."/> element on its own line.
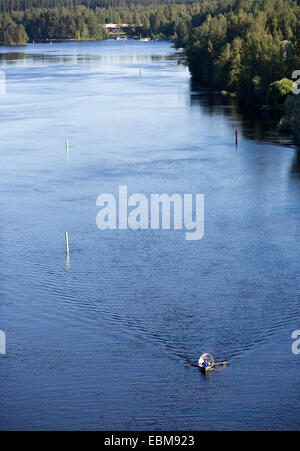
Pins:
<point x="100" y="343"/>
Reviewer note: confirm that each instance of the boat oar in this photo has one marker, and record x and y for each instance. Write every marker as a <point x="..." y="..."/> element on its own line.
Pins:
<point x="196" y="365"/>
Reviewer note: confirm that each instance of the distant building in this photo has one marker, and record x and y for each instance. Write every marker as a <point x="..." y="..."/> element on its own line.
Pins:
<point x="116" y="27"/>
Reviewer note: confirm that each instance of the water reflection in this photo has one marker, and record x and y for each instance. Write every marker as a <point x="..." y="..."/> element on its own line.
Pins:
<point x="252" y="124"/>
<point x="12" y="56"/>
<point x="35" y="54"/>
<point x="295" y="168"/>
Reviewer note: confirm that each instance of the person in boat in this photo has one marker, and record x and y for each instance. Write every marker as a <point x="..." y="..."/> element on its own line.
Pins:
<point x="206" y="363"/>
<point x="206" y="360"/>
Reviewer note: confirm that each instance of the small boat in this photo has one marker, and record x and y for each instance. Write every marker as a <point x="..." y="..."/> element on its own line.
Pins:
<point x="206" y="362"/>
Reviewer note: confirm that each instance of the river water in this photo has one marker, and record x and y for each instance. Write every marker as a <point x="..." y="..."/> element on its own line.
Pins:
<point x="100" y="341"/>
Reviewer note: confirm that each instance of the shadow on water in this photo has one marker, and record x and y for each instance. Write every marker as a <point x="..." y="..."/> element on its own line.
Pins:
<point x="253" y="124"/>
<point x="295" y="168"/>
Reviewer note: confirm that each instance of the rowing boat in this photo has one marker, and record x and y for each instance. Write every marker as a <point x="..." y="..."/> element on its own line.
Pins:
<point x="206" y="369"/>
<point x="206" y="363"/>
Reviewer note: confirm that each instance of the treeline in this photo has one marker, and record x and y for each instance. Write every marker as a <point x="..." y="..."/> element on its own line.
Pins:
<point x="80" y="22"/>
<point x="22" y="5"/>
<point x="19" y="27"/>
<point x="11" y="33"/>
<point x="243" y="46"/>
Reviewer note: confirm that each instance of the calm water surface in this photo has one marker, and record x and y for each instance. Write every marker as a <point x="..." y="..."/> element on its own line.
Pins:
<point x="100" y="343"/>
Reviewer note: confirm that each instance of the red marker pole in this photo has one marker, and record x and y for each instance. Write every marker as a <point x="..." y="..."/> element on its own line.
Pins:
<point x="236" y="137"/>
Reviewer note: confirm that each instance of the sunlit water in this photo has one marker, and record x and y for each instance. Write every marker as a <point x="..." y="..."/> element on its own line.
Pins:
<point x="100" y="342"/>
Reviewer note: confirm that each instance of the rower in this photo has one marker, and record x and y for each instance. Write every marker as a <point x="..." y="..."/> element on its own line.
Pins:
<point x="205" y="364"/>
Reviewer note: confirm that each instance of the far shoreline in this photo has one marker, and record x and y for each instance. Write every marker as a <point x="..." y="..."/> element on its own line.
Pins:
<point x="57" y="40"/>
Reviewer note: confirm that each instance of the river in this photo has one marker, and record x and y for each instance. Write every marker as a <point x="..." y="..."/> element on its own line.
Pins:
<point x="99" y="340"/>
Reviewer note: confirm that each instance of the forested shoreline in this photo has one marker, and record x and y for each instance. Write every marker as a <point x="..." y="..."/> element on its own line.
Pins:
<point x="78" y="20"/>
<point x="245" y="48"/>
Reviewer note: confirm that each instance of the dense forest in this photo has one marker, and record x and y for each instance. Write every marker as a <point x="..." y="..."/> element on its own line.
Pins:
<point x="245" y="48"/>
<point x="21" y="5"/>
<point x="242" y="46"/>
<point x="63" y="20"/>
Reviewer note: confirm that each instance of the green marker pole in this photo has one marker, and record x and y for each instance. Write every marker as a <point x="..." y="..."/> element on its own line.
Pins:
<point x="67" y="246"/>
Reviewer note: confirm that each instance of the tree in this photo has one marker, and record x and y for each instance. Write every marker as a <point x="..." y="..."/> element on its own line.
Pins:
<point x="277" y="91"/>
